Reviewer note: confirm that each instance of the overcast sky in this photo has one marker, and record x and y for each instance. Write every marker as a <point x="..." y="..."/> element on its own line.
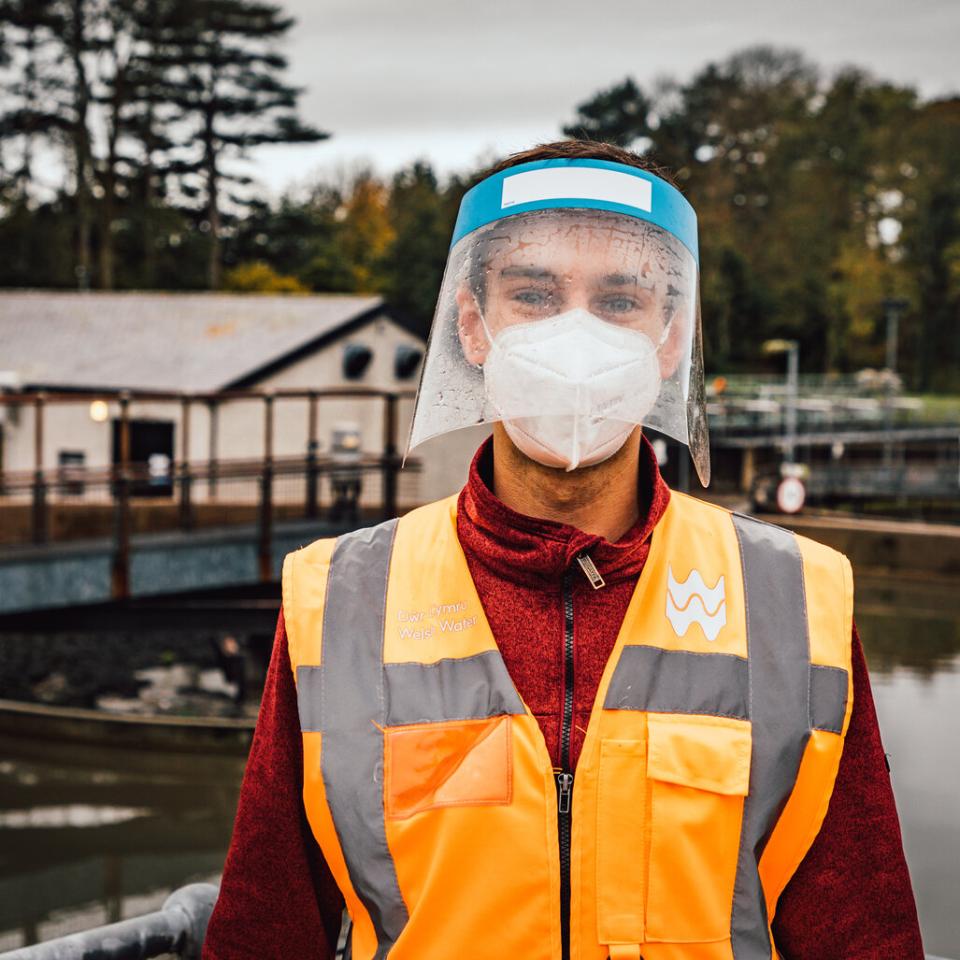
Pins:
<point x="453" y="81"/>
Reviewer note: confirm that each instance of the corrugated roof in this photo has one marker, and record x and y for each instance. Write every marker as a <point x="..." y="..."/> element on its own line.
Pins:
<point x="161" y="341"/>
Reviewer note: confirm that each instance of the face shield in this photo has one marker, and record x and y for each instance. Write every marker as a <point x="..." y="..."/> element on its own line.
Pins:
<point x="569" y="311"/>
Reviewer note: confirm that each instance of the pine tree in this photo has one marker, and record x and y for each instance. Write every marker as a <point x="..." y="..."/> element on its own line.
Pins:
<point x="223" y="73"/>
<point x="48" y="89"/>
<point x="29" y="62"/>
<point x="138" y="126"/>
<point x="616" y="115"/>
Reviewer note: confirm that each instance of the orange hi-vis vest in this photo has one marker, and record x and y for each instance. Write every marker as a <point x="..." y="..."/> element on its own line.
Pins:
<point x="708" y="763"/>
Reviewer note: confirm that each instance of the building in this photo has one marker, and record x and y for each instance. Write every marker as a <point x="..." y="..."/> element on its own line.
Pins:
<point x="210" y="343"/>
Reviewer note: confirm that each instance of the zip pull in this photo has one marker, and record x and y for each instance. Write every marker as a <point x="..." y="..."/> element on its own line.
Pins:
<point x="590" y="570"/>
<point x="565" y="790"/>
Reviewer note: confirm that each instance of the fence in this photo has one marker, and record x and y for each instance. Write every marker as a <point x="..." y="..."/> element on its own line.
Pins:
<point x="178" y="928"/>
<point x="355" y="474"/>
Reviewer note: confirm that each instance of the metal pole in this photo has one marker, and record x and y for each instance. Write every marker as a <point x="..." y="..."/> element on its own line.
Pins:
<point x="311" y="504"/>
<point x="178" y="928"/>
<point x="265" y="549"/>
<point x="120" y="571"/>
<point x="186" y="513"/>
<point x="793" y="377"/>
<point x="683" y="470"/>
<point x="389" y="457"/>
<point x="893" y="324"/>
<point x="892" y="309"/>
<point x="41" y="528"/>
<point x="214" y="407"/>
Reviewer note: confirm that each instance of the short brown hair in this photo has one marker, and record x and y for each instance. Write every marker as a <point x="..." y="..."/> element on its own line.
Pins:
<point x="580" y="150"/>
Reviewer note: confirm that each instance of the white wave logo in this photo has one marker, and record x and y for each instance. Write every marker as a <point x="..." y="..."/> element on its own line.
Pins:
<point x="692" y="601"/>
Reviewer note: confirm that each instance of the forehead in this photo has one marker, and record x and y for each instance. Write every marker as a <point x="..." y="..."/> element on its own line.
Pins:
<point x="580" y="242"/>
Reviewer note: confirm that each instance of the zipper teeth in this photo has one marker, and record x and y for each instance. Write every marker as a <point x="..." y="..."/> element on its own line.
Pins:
<point x="565" y="728"/>
<point x="567" y="674"/>
<point x="565" y="885"/>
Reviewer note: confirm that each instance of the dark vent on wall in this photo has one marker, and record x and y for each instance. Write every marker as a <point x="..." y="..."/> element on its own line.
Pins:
<point x="405" y="361"/>
<point x="356" y="359"/>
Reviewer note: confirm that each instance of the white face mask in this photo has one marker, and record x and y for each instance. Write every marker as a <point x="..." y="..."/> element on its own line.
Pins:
<point x="589" y="381"/>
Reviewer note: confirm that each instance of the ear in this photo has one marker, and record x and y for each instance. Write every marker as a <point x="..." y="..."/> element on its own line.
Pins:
<point x="473" y="338"/>
<point x="672" y="351"/>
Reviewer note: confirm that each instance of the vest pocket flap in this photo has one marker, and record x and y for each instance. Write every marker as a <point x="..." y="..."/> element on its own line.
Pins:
<point x="621" y="834"/>
<point x="456" y="763"/>
<point x="708" y="753"/>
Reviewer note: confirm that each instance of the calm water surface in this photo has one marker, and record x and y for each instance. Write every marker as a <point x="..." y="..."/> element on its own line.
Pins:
<point x="90" y="835"/>
<point x="911" y="634"/>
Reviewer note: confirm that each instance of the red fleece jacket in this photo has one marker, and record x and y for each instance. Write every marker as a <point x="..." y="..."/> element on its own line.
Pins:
<point x="850" y="899"/>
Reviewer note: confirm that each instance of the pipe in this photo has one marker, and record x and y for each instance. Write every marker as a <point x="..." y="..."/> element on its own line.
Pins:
<point x="178" y="927"/>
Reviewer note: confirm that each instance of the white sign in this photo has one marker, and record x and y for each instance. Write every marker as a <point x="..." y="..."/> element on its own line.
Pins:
<point x="791" y="495"/>
<point x="577" y="183"/>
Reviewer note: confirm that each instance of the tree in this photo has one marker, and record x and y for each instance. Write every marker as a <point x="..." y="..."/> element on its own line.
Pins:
<point x="49" y="96"/>
<point x="31" y="64"/>
<point x="74" y="21"/>
<point x="617" y="115"/>
<point x="117" y="52"/>
<point x="421" y="214"/>
<point x="259" y="277"/>
<point x="792" y="176"/>
<point x="221" y="71"/>
<point x="930" y="242"/>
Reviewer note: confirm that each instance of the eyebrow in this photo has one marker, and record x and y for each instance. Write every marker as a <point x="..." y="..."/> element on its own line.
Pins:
<point x="530" y="273"/>
<point x="626" y="280"/>
<point x="608" y="280"/>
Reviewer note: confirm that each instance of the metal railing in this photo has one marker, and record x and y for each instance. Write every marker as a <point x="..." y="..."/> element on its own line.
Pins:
<point x="177" y="928"/>
<point x="47" y="504"/>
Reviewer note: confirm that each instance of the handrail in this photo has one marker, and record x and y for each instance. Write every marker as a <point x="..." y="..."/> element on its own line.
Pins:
<point x="49" y="487"/>
<point x="236" y="468"/>
<point x="178" y="927"/>
<point x="17" y="397"/>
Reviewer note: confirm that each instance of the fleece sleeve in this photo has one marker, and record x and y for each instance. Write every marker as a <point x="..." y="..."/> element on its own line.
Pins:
<point x="851" y="897"/>
<point x="277" y="896"/>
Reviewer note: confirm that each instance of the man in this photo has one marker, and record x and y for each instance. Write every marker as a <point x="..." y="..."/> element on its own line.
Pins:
<point x="567" y="713"/>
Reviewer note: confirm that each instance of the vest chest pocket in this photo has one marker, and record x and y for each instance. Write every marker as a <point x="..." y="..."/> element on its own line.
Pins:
<point x="456" y="763"/>
<point x="698" y="770"/>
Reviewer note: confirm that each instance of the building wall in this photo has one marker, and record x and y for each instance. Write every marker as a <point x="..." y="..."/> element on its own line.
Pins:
<point x="240" y="425"/>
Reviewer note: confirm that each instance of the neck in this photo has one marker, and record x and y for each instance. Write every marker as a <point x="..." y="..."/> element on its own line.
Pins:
<point x="600" y="500"/>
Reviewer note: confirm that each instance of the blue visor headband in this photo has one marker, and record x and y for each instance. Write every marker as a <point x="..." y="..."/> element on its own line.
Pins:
<point x="590" y="184"/>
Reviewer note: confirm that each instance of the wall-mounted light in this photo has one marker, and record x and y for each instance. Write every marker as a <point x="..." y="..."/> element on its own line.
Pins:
<point x="99" y="411"/>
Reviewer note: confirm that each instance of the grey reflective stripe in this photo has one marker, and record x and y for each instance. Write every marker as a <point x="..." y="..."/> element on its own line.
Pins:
<point x="465" y="689"/>
<point x="828" y="698"/>
<point x="309" y="698"/>
<point x="352" y="696"/>
<point x="455" y="689"/>
<point x="352" y="715"/>
<point x="779" y="663"/>
<point x="678" y="681"/>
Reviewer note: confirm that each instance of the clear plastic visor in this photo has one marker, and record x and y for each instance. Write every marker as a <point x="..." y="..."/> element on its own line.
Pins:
<point x="588" y="316"/>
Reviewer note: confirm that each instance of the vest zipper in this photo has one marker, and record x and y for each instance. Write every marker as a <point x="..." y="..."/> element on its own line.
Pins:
<point x="565" y="775"/>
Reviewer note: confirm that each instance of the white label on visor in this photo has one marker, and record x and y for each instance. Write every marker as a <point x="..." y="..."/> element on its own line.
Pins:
<point x="579" y="183"/>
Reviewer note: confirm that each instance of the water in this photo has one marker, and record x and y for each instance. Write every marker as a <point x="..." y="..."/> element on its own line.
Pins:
<point x="89" y="835"/>
<point x="911" y="635"/>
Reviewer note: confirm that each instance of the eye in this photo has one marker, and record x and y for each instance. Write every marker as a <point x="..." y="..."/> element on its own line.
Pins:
<point x="532" y="297"/>
<point x="619" y="304"/>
